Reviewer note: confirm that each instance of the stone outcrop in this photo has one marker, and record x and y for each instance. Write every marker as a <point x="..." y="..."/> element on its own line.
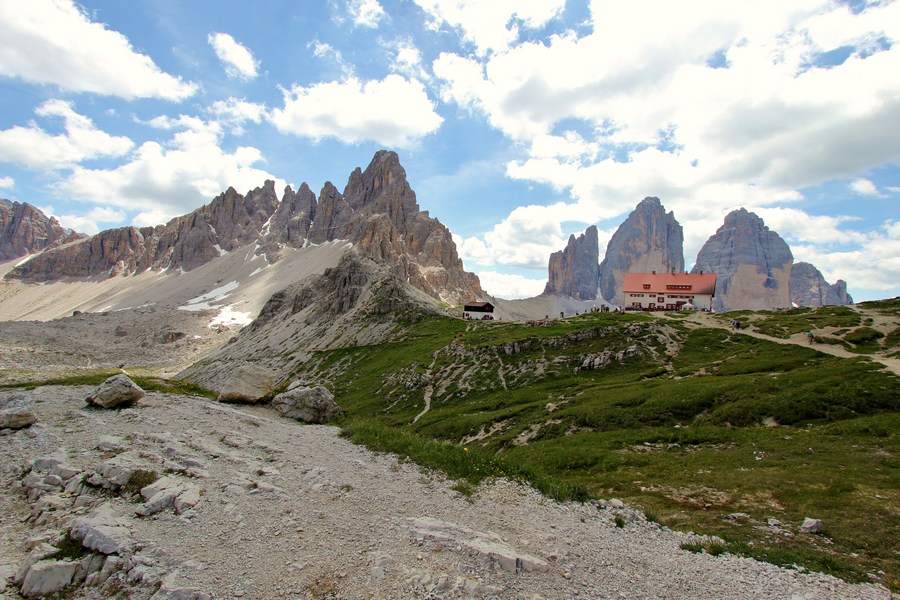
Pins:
<point x="24" y="230"/>
<point x="377" y="212"/>
<point x="649" y="240"/>
<point x="752" y="264"/>
<point x="358" y="302"/>
<point x="809" y="288"/>
<point x="574" y="271"/>
<point x="118" y="390"/>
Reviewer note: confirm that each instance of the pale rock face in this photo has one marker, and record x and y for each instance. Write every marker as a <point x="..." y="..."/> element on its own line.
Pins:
<point x="809" y="288"/>
<point x="574" y="271"/>
<point x="377" y="212"/>
<point x="649" y="240"/>
<point x="24" y="229"/>
<point x="752" y="264"/>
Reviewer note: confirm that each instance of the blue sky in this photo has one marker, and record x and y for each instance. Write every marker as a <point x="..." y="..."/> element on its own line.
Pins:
<point x="518" y="123"/>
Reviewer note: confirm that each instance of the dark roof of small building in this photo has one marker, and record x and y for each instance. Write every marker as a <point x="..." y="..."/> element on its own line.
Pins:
<point x="700" y="283"/>
<point x="479" y="307"/>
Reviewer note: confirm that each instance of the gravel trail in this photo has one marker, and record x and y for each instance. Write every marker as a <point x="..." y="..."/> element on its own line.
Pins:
<point x="295" y="511"/>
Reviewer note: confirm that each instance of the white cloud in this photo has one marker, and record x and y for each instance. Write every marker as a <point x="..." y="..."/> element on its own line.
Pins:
<point x="366" y="13"/>
<point x="393" y="111"/>
<point x="510" y="286"/>
<point x="715" y="105"/>
<point x="7" y="182"/>
<point x="491" y="26"/>
<point x="874" y="264"/>
<point x="161" y="181"/>
<point x="864" y="187"/>
<point x="54" y="42"/>
<point x="35" y="148"/>
<point x="89" y="223"/>
<point x="236" y="58"/>
<point x="407" y="59"/>
<point x="235" y="113"/>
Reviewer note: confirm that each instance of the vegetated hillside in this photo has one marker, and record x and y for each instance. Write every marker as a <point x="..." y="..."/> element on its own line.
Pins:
<point x="703" y="427"/>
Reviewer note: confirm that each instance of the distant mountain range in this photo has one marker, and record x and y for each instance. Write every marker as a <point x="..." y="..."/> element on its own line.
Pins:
<point x="754" y="266"/>
<point x="379" y="215"/>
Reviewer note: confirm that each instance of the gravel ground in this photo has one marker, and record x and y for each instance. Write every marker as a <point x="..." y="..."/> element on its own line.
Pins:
<point x="295" y="511"/>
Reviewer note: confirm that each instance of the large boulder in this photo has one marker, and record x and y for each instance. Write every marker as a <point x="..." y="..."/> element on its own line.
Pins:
<point x="310" y="404"/>
<point x="118" y="390"/>
<point x="16" y="412"/>
<point x="247" y="384"/>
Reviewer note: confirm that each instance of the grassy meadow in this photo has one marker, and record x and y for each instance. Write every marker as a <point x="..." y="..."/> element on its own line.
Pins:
<point x="691" y="424"/>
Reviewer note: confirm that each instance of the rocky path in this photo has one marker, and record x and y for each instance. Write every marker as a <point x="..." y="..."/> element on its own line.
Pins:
<point x="798" y="339"/>
<point x="262" y="507"/>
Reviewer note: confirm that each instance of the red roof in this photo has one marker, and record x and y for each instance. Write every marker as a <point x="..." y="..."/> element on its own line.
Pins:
<point x="659" y="283"/>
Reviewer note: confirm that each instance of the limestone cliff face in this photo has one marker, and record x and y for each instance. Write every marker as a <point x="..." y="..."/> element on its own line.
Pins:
<point x="24" y="230"/>
<point x="809" y="288"/>
<point x="574" y="271"/>
<point x="377" y="212"/>
<point x="753" y="264"/>
<point x="649" y="240"/>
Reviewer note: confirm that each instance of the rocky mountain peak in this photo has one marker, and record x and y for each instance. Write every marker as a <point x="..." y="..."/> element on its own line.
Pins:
<point x="753" y="264"/>
<point x="377" y="212"/>
<point x="574" y="271"/>
<point x="809" y="288"/>
<point x="24" y="229"/>
<point x="649" y="240"/>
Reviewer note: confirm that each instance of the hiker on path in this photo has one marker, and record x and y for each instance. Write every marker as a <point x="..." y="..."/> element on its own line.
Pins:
<point x="810" y="337"/>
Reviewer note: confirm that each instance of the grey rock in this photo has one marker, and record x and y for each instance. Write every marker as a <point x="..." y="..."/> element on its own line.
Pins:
<point x="811" y="525"/>
<point x="102" y="531"/>
<point x="489" y="547"/>
<point x="16" y="411"/>
<point x="118" y="390"/>
<point x="649" y="240"/>
<point x="574" y="271"/>
<point x="247" y="384"/>
<point x="24" y="229"/>
<point x="752" y="264"/>
<point x="311" y="404"/>
<point x="47" y="576"/>
<point x="809" y="288"/>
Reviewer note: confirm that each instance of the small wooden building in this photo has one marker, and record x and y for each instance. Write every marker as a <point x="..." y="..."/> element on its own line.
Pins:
<point x="479" y="311"/>
<point x="668" y="291"/>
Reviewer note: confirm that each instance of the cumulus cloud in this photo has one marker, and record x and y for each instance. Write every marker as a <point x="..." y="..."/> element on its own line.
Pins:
<point x="234" y="113"/>
<point x="490" y="26"/>
<point x="393" y="111"/>
<point x="236" y="58"/>
<point x="366" y="13"/>
<point x="163" y="180"/>
<point x="874" y="264"/>
<point x="7" y="182"/>
<point x="34" y="148"/>
<point x="55" y="42"/>
<point x="714" y="106"/>
<point x="510" y="286"/>
<point x="864" y="187"/>
<point x="92" y="222"/>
